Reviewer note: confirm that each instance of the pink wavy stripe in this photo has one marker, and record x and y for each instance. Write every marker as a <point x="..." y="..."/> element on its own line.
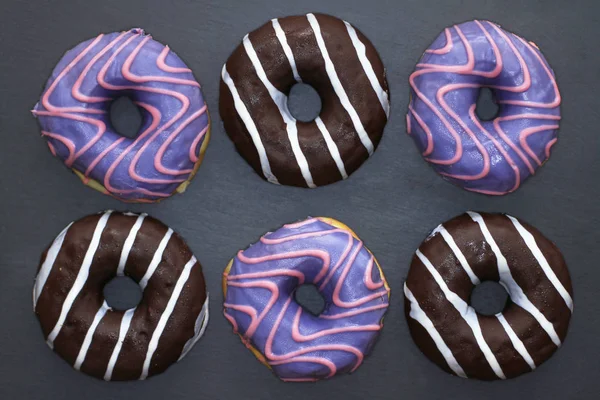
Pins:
<point x="525" y="133"/>
<point x="99" y="124"/>
<point x="185" y="105"/>
<point x="465" y="68"/>
<point x="155" y="113"/>
<point x="162" y="64"/>
<point x="301" y="223"/>
<point x="299" y="337"/>
<point x="102" y="155"/>
<point x="557" y="97"/>
<point x="270" y="274"/>
<point x="294" y="354"/>
<point x="336" y="293"/>
<point x="549" y="147"/>
<point x="369" y="276"/>
<point x="315" y="360"/>
<point x="194" y="146"/>
<point x="52" y="149"/>
<point x="353" y="312"/>
<point x="163" y="148"/>
<point x="76" y="90"/>
<point x="232" y="321"/>
<point x="526" y="84"/>
<point x="500" y="148"/>
<point x="129" y="75"/>
<point x="259" y="284"/>
<point x="66" y="142"/>
<point x="447" y="48"/>
<point x="408" y="123"/>
<point x="425" y="128"/>
<point x="324" y="256"/>
<point x="46" y="97"/>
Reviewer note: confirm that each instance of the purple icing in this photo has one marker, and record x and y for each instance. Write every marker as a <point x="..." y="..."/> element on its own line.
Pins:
<point x="491" y="157"/>
<point x="73" y="114"/>
<point x="261" y="285"/>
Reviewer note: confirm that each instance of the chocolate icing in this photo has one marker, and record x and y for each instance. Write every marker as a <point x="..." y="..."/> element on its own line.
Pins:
<point x="171" y="300"/>
<point x="536" y="273"/>
<point x="288" y="51"/>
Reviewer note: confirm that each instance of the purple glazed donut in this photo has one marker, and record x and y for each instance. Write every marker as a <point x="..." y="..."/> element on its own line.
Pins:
<point x="260" y="284"/>
<point x="490" y="157"/>
<point x="74" y="116"/>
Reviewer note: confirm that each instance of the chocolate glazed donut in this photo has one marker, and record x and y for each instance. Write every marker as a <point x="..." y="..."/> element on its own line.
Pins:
<point x="340" y="63"/>
<point x="120" y="345"/>
<point x="456" y="257"/>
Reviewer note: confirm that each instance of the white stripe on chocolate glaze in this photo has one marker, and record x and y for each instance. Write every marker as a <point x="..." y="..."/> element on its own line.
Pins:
<point x="517" y="343"/>
<point x="280" y="101"/>
<point x="42" y="276"/>
<point x="417" y="313"/>
<point x="90" y="335"/>
<point x="457" y="253"/>
<point x="539" y="256"/>
<point x="81" y="278"/>
<point x="129" y="242"/>
<point x="164" y="318"/>
<point x="332" y="147"/>
<point x="514" y="290"/>
<point x="199" y="328"/>
<point x="242" y="111"/>
<point x="361" y="51"/>
<point x="467" y="312"/>
<point x="125" y="322"/>
<point x="156" y="259"/>
<point x="286" y="48"/>
<point x="337" y="85"/>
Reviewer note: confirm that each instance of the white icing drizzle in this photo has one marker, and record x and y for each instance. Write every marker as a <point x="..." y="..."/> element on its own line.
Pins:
<point x="286" y="48"/>
<point x="514" y="290"/>
<point x="42" y="276"/>
<point x="199" y="328"/>
<point x="467" y="312"/>
<point x="516" y="342"/>
<point x="90" y="335"/>
<point x="361" y="51"/>
<point x="280" y="101"/>
<point x="242" y="111"/>
<point x="457" y="253"/>
<point x="337" y="85"/>
<point x="417" y="313"/>
<point x="332" y="147"/>
<point x="129" y="242"/>
<point x="166" y="314"/>
<point x="82" y="277"/>
<point x="156" y="259"/>
<point x="539" y="256"/>
<point x="125" y="322"/>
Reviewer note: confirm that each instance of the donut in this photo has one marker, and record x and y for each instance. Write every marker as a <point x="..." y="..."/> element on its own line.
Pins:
<point x="491" y="157"/>
<point x="74" y="115"/>
<point x="260" y="285"/>
<point x="340" y="63"/>
<point x="113" y="344"/>
<point x="452" y="261"/>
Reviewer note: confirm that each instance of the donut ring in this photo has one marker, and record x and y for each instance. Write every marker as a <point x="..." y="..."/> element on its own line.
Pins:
<point x="455" y="258"/>
<point x="340" y="63"/>
<point x="490" y="157"/>
<point x="110" y="344"/>
<point x="74" y="116"/>
<point x="296" y="345"/>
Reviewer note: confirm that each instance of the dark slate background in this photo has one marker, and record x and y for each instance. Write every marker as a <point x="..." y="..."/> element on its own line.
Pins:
<point x="392" y="202"/>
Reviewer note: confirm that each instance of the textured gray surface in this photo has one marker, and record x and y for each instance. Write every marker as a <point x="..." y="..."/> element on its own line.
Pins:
<point x="392" y="201"/>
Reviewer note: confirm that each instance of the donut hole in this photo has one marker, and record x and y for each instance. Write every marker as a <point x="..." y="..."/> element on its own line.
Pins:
<point x="309" y="298"/>
<point x="486" y="107"/>
<point x="304" y="102"/>
<point x="122" y="293"/>
<point x="489" y="298"/>
<point x="125" y="117"/>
